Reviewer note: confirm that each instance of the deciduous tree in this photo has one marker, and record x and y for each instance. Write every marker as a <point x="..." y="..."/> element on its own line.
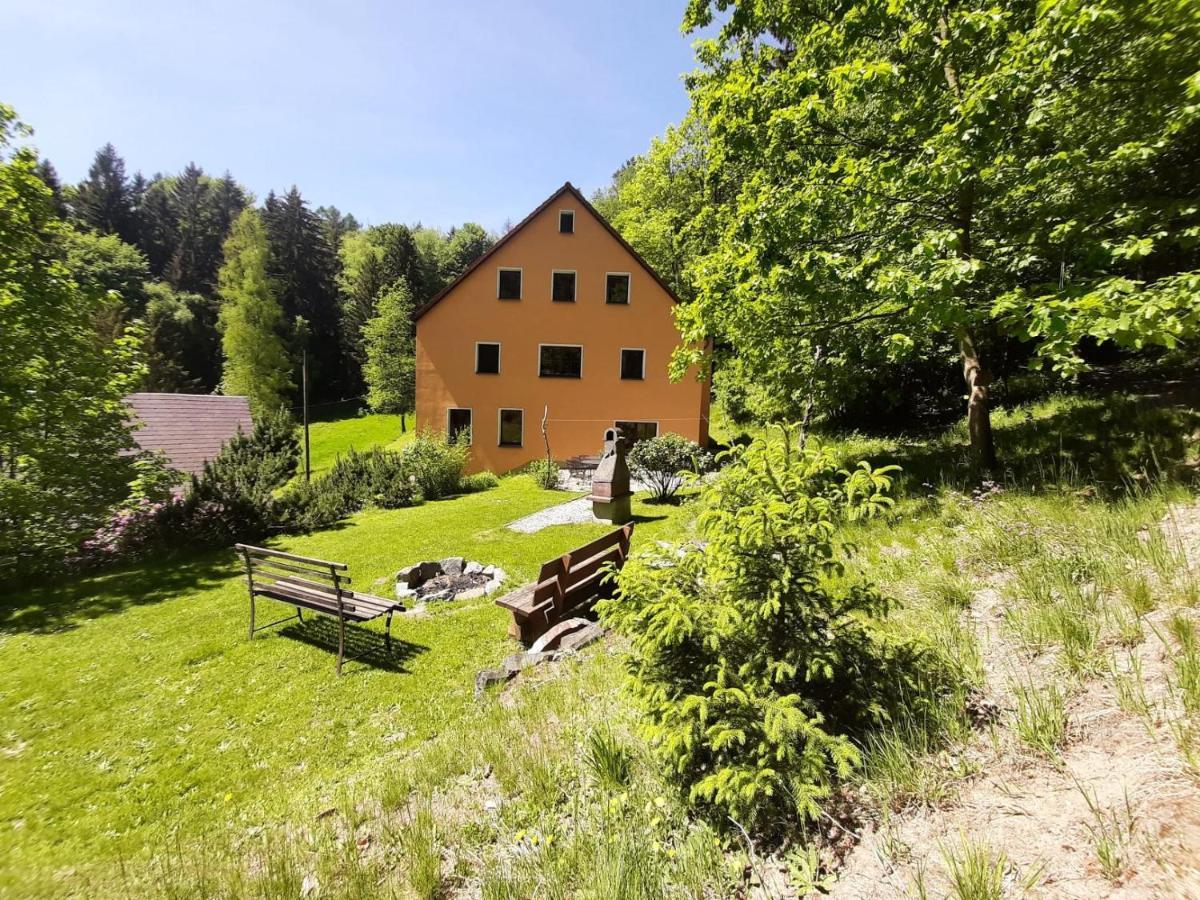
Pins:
<point x="389" y="341"/>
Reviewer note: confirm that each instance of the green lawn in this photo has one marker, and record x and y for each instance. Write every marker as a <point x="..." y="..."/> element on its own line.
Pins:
<point x="135" y="709"/>
<point x="331" y="438"/>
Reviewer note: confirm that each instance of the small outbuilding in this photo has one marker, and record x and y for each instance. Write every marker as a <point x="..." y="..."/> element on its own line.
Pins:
<point x="189" y="428"/>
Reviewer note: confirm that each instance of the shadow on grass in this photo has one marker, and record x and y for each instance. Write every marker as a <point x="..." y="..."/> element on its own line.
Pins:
<point x="1112" y="443"/>
<point x="363" y="645"/>
<point x="63" y="603"/>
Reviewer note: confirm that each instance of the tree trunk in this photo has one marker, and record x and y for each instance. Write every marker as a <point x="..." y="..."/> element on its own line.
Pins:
<point x="979" y="414"/>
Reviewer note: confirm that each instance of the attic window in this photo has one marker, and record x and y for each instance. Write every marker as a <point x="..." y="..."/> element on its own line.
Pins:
<point x="566" y="221"/>
<point x="508" y="284"/>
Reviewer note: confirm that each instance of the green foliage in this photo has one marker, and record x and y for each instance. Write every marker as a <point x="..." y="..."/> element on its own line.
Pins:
<point x="607" y="759"/>
<point x="883" y="179"/>
<point x="105" y="200"/>
<point x="356" y="480"/>
<point x="545" y="472"/>
<point x="390" y="345"/>
<point x="750" y="652"/>
<point x="251" y="320"/>
<point x="435" y="464"/>
<point x="479" y="481"/>
<point x="375" y="262"/>
<point x="183" y="349"/>
<point x="62" y="420"/>
<point x="663" y="461"/>
<point x="658" y="202"/>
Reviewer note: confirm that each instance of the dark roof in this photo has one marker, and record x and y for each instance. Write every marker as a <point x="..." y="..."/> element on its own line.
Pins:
<point x="567" y="188"/>
<point x="188" y="428"/>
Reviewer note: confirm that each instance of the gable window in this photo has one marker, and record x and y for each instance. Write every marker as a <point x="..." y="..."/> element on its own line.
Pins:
<point x="637" y="431"/>
<point x="560" y="361"/>
<point x="633" y="365"/>
<point x="566" y="221"/>
<point x="487" y="359"/>
<point x="562" y="287"/>
<point x="508" y="284"/>
<point x="512" y="427"/>
<point x="458" y="424"/>
<point x="616" y="288"/>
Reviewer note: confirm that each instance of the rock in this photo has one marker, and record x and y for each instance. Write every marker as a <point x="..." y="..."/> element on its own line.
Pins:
<point x="473" y="568"/>
<point x="582" y="637"/>
<point x="498" y="576"/>
<point x="551" y="638"/>
<point x="472" y="593"/>
<point x="403" y="591"/>
<point x="488" y="571"/>
<point x="404" y="574"/>
<point x="452" y="565"/>
<point x="445" y="594"/>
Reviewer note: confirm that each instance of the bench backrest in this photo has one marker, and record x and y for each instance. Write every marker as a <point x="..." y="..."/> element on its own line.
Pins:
<point x="577" y="574"/>
<point x="267" y="567"/>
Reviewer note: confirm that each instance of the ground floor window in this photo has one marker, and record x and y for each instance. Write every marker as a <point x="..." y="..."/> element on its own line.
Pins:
<point x="512" y="427"/>
<point x="637" y="431"/>
<point x="458" y="423"/>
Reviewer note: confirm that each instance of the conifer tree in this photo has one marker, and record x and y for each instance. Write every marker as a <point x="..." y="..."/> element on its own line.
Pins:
<point x="303" y="267"/>
<point x="104" y="201"/>
<point x="251" y="321"/>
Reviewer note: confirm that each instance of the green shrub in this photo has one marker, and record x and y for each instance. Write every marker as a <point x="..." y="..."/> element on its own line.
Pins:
<point x="545" y="472"/>
<point x="661" y="462"/>
<point x="355" y="481"/>
<point x="480" y="481"/>
<point x="437" y="465"/>
<point x="756" y="661"/>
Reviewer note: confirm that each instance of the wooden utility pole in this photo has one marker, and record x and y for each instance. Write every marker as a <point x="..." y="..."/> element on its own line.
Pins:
<point x="304" y="394"/>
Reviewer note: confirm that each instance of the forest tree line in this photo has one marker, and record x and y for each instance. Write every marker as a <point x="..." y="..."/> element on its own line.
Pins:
<point x="229" y="293"/>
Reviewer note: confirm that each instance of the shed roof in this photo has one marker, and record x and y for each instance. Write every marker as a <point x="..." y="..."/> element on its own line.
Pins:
<point x="188" y="428"/>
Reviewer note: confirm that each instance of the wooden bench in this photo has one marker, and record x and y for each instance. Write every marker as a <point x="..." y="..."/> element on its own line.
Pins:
<point x="566" y="586"/>
<point x="315" y="585"/>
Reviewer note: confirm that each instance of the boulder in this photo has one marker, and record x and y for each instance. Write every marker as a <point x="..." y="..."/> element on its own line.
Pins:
<point x="439" y="595"/>
<point x="452" y="565"/>
<point x="471" y="593"/>
<point x="473" y="568"/>
<point x="403" y="591"/>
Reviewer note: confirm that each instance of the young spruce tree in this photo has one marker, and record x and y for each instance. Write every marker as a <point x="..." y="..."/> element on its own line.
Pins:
<point x="251" y="321"/>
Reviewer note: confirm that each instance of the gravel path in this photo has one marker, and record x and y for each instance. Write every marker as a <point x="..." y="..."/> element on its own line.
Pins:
<point x="573" y="512"/>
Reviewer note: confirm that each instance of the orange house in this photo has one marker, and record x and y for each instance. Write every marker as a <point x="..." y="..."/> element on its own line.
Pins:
<point x="561" y="319"/>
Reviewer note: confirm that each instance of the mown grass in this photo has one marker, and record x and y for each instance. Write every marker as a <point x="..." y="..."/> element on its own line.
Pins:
<point x="329" y="439"/>
<point x="214" y="756"/>
<point x="134" y="709"/>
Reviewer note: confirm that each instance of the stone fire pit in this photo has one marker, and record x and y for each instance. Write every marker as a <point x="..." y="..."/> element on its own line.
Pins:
<point x="452" y="578"/>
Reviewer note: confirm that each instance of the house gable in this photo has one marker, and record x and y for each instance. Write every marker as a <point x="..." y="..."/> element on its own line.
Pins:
<point x="549" y="205"/>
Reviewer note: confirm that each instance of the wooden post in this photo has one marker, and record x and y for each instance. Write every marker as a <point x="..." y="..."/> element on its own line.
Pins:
<point x="304" y="391"/>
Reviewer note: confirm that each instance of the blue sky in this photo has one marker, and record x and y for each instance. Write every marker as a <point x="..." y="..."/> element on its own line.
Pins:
<point x="441" y="111"/>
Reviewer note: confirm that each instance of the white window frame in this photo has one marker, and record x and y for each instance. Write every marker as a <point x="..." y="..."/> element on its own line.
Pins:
<point x="574" y="219"/>
<point x="519" y="269"/>
<point x="578" y="347"/>
<point x="471" y="410"/>
<point x="573" y="272"/>
<point x="500" y="421"/>
<point x="621" y="363"/>
<point x="628" y="291"/>
<point x="499" y="356"/>
<point x="657" y="426"/>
